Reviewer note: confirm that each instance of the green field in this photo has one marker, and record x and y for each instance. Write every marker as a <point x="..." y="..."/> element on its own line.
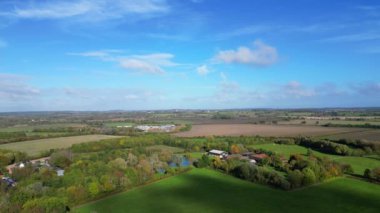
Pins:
<point x="28" y="128"/>
<point x="116" y="124"/>
<point x="196" y="155"/>
<point x="202" y="190"/>
<point x="359" y="164"/>
<point x="35" y="147"/>
<point x="166" y="148"/>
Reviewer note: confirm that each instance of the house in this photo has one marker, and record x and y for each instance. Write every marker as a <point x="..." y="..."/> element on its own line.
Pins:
<point x="60" y="172"/>
<point x="237" y="157"/>
<point x="9" y="181"/>
<point x="218" y="153"/>
<point x="259" y="157"/>
<point x="247" y="154"/>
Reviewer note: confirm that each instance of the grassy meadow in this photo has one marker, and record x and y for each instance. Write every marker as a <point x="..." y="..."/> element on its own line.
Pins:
<point x="359" y="164"/>
<point x="203" y="190"/>
<point x="166" y="148"/>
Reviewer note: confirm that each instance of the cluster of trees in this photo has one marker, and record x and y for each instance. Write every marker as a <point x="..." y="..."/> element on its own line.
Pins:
<point x="297" y="171"/>
<point x="306" y="171"/>
<point x="221" y="143"/>
<point x="187" y="127"/>
<point x="372" y="174"/>
<point x="366" y="125"/>
<point x="9" y="157"/>
<point x="326" y="146"/>
<point x="367" y="147"/>
<point x="336" y="147"/>
<point x="88" y="175"/>
<point x="222" y="116"/>
<point x="194" y="144"/>
<point x="261" y="175"/>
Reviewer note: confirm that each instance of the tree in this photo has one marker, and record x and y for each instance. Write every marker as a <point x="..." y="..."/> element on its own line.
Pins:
<point x="217" y="162"/>
<point x="235" y="149"/>
<point x="144" y="170"/>
<point x="376" y="173"/>
<point x="308" y="177"/>
<point x="45" y="204"/>
<point x="76" y="194"/>
<point x="368" y="174"/>
<point x="295" y="178"/>
<point x="203" y="162"/>
<point x="132" y="160"/>
<point x="93" y="188"/>
<point x="118" y="163"/>
<point x="61" y="159"/>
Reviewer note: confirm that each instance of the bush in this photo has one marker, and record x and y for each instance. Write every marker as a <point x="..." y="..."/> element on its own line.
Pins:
<point x="373" y="174"/>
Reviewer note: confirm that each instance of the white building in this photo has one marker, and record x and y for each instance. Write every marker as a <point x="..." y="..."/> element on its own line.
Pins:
<point x="219" y="153"/>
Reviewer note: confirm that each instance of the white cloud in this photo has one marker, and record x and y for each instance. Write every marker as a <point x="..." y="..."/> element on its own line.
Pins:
<point x="102" y="54"/>
<point x="262" y="55"/>
<point x="203" y="70"/>
<point x="149" y="63"/>
<point x="162" y="59"/>
<point x="140" y="66"/>
<point x="295" y="89"/>
<point x="86" y="10"/>
<point x="15" y="88"/>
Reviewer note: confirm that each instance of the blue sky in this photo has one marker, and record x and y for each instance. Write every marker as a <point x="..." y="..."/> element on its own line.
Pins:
<point x="166" y="54"/>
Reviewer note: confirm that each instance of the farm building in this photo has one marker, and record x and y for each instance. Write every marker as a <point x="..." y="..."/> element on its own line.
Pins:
<point x="162" y="128"/>
<point x="218" y="153"/>
<point x="259" y="157"/>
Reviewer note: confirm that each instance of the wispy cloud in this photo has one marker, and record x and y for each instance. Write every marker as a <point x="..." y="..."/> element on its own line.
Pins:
<point x="149" y="63"/>
<point x="203" y="70"/>
<point x="261" y="55"/>
<point x="354" y="37"/>
<point x="370" y="10"/>
<point x="15" y="88"/>
<point x="85" y="10"/>
<point x="259" y="29"/>
<point x="367" y="88"/>
<point x="296" y="90"/>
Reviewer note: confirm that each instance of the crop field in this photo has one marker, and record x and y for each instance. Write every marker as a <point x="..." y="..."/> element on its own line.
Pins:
<point x="262" y="130"/>
<point x="202" y="190"/>
<point x="369" y="135"/>
<point x="35" y="147"/>
<point x="359" y="164"/>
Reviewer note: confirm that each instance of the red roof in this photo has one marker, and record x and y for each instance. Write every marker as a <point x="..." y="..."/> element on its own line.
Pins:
<point x="260" y="156"/>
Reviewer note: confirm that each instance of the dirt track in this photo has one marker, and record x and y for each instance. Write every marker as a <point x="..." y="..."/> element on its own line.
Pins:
<point x="262" y="130"/>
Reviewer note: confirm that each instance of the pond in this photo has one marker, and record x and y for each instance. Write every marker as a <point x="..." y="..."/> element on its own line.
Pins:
<point x="183" y="163"/>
